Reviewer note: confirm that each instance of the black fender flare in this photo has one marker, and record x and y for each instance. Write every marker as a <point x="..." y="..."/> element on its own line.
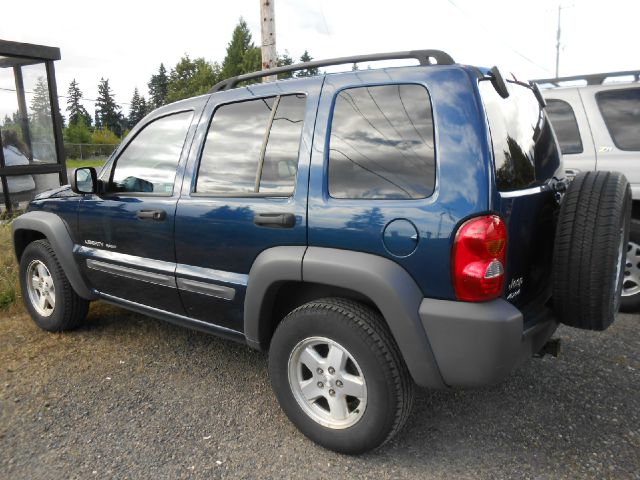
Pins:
<point x="383" y="281"/>
<point x="56" y="232"/>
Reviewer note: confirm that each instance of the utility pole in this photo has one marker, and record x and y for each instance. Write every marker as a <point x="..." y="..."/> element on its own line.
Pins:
<point x="268" y="28"/>
<point x="557" y="44"/>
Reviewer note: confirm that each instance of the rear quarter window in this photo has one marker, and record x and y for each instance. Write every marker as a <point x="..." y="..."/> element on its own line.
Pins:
<point x="382" y="143"/>
<point x="525" y="150"/>
<point x="621" y="112"/>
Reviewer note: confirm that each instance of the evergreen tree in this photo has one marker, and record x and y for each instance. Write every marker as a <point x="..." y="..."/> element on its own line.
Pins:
<point x="252" y="61"/>
<point x="284" y="60"/>
<point x="241" y="43"/>
<point x="144" y="107"/>
<point x="309" y="72"/>
<point x="191" y="77"/>
<point x="158" y="88"/>
<point x="40" y="106"/>
<point x="108" y="113"/>
<point x="137" y="109"/>
<point x="74" y="106"/>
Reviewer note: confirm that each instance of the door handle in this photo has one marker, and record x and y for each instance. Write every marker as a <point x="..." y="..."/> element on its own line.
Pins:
<point x="158" y="215"/>
<point x="275" y="220"/>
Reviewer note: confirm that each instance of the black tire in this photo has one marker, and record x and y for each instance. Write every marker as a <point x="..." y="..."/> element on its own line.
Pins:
<point x="591" y="239"/>
<point x="630" y="301"/>
<point x="361" y="331"/>
<point x="69" y="310"/>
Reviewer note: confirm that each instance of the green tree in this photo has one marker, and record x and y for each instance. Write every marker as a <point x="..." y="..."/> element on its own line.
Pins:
<point x="241" y="45"/>
<point x="284" y="60"/>
<point x="104" y="136"/>
<point x="191" y="77"/>
<point x="137" y="109"/>
<point x="158" y="88"/>
<point x="40" y="106"/>
<point x="74" y="106"/>
<point x="252" y="61"/>
<point x="108" y="113"/>
<point x="77" y="132"/>
<point x="309" y="72"/>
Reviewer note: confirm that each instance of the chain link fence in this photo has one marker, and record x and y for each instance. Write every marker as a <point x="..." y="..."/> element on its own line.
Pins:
<point x="88" y="151"/>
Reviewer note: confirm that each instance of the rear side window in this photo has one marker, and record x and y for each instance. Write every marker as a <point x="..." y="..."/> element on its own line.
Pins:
<point x="621" y="112"/>
<point x="524" y="148"/>
<point x="252" y="147"/>
<point x="382" y="143"/>
<point x="565" y="125"/>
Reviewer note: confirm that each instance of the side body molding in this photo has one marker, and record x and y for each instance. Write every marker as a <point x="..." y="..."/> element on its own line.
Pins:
<point x="53" y="227"/>
<point x="393" y="291"/>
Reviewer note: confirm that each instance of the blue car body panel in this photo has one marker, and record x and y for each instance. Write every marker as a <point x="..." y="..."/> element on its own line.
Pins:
<point x="460" y="136"/>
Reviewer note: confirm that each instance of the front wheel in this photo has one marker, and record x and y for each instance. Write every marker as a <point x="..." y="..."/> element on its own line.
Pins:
<point x="47" y="293"/>
<point x="339" y="376"/>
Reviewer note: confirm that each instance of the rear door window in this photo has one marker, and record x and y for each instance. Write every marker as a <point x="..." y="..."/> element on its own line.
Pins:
<point x="565" y="125"/>
<point x="524" y="147"/>
<point x="621" y="112"/>
<point x="252" y="147"/>
<point x="382" y="143"/>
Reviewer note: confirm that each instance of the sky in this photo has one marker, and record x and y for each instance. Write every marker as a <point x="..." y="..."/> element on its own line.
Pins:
<point x="125" y="41"/>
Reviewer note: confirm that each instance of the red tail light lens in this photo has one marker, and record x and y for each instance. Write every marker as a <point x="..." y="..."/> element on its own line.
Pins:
<point x="479" y="252"/>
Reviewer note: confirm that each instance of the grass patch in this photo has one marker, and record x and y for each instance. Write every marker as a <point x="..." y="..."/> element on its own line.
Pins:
<point x="9" y="285"/>
<point x="96" y="163"/>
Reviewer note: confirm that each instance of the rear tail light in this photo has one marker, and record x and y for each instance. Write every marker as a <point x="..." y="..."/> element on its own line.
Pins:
<point x="478" y="261"/>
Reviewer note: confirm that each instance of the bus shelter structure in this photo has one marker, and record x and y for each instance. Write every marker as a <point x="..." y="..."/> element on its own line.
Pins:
<point x="32" y="151"/>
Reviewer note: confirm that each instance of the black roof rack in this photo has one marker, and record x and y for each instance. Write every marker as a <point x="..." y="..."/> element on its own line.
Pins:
<point x="591" y="79"/>
<point x="425" y="57"/>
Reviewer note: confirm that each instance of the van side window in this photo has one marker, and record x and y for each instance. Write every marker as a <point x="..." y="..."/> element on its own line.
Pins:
<point x="382" y="143"/>
<point x="565" y="125"/>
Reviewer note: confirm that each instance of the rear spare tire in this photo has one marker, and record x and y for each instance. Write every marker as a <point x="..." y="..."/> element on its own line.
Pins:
<point x="589" y="251"/>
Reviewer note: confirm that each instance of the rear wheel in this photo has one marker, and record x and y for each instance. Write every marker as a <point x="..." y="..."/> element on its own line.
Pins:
<point x="338" y="375"/>
<point x="630" y="301"/>
<point x="590" y="249"/>
<point x="47" y="293"/>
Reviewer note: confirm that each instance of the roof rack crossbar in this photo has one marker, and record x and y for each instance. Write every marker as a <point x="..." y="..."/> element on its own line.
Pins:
<point x="591" y="79"/>
<point x="425" y="57"/>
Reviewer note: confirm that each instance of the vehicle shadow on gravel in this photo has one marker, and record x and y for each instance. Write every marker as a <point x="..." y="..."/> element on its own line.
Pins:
<point x="136" y="396"/>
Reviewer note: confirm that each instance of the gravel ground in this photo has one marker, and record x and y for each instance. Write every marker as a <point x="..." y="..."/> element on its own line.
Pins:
<point x="131" y="397"/>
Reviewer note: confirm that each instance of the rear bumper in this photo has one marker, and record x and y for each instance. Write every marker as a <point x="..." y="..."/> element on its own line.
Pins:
<point x="476" y="344"/>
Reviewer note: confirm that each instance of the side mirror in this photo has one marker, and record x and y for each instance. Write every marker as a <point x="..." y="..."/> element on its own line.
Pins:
<point x="84" y="180"/>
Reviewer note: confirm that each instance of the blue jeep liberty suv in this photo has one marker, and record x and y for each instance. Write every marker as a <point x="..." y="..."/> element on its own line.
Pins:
<point x="372" y="230"/>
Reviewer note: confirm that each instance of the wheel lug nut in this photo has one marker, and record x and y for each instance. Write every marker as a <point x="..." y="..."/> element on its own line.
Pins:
<point x="320" y="385"/>
<point x="338" y="383"/>
<point x="331" y="370"/>
<point x="332" y="391"/>
<point x="320" y="372"/>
